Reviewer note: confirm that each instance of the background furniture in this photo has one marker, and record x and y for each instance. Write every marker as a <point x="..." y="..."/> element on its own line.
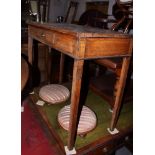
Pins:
<point x="71" y="12"/>
<point x="101" y="6"/>
<point x="24" y="73"/>
<point x="35" y="10"/>
<point x="39" y="10"/>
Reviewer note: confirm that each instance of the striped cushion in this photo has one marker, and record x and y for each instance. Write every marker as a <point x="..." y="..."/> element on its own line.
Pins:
<point x="54" y="93"/>
<point x="87" y="119"/>
<point x="125" y="1"/>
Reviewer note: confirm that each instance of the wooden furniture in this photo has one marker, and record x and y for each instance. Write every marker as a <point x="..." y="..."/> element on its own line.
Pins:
<point x="71" y="12"/>
<point x="98" y="5"/>
<point x="115" y="64"/>
<point x="83" y="43"/>
<point x="24" y="73"/>
<point x="124" y="14"/>
<point x="94" y="18"/>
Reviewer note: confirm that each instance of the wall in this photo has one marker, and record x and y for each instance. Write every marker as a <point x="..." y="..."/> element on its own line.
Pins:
<point x="82" y="6"/>
<point x="59" y="8"/>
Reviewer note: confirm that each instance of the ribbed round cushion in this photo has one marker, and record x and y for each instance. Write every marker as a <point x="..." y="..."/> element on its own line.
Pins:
<point x="54" y="93"/>
<point x="87" y="120"/>
<point x="125" y="1"/>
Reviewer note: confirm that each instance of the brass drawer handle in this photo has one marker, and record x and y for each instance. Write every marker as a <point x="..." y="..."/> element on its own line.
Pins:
<point x="42" y="35"/>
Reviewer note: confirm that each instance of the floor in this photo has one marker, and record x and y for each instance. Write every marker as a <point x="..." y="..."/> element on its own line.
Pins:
<point x="123" y="151"/>
<point x="35" y="140"/>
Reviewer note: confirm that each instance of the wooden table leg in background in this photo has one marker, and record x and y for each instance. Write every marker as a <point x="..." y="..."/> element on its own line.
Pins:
<point x="75" y="95"/>
<point x="30" y="59"/>
<point x="62" y="59"/>
<point x="49" y="62"/>
<point x="119" y="92"/>
<point x="30" y="48"/>
<point x="24" y="72"/>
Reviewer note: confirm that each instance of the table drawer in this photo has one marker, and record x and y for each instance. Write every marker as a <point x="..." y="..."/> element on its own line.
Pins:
<point x="43" y="35"/>
<point x="99" y="47"/>
<point x="65" y="43"/>
<point x="60" y="41"/>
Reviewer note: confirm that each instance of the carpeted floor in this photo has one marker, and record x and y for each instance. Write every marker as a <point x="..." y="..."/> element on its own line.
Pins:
<point x="34" y="140"/>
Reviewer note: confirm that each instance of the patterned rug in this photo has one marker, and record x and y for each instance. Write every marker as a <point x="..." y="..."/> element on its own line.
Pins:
<point x="34" y="140"/>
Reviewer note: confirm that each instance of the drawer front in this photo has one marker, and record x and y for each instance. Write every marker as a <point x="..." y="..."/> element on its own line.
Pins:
<point x="60" y="41"/>
<point x="65" y="43"/>
<point x="107" y="47"/>
<point x="43" y="35"/>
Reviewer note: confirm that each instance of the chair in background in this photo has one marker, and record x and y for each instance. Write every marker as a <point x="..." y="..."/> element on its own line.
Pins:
<point x="124" y="14"/>
<point x="71" y="12"/>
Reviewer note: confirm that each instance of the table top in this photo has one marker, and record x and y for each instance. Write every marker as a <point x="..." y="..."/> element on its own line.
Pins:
<point x="80" y="31"/>
<point x="81" y="42"/>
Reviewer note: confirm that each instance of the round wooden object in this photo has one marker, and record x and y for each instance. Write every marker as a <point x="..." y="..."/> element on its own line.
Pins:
<point x="24" y="73"/>
<point x="87" y="120"/>
<point x="54" y="93"/>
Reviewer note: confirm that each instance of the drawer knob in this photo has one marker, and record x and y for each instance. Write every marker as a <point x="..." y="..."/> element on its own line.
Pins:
<point x="105" y="149"/>
<point x="43" y="35"/>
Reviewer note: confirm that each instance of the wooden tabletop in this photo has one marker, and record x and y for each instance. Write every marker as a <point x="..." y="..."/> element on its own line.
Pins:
<point x="24" y="73"/>
<point x="80" y="30"/>
<point x="80" y="42"/>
